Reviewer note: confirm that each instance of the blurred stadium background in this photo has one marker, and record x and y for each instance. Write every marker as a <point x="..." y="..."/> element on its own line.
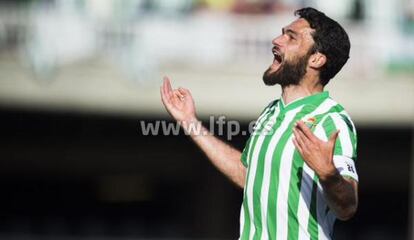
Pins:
<point x="77" y="76"/>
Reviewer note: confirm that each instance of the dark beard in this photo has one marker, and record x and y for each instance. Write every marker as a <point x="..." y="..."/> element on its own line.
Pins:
<point x="290" y="73"/>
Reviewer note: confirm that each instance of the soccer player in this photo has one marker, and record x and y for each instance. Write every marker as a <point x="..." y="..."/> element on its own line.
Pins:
<point x="297" y="168"/>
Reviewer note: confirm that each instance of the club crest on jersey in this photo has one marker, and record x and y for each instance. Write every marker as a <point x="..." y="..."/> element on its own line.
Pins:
<point x="310" y="122"/>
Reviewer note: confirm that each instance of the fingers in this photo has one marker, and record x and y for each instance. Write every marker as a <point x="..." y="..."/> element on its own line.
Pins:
<point x="298" y="147"/>
<point x="178" y="96"/>
<point x="166" y="93"/>
<point x="172" y="96"/>
<point x="165" y="99"/>
<point x="185" y="93"/>
<point x="178" y="93"/>
<point x="300" y="139"/>
<point x="305" y="129"/>
<point x="164" y="88"/>
<point x="167" y="84"/>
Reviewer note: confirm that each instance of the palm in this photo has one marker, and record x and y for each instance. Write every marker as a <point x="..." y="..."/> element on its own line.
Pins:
<point x="178" y="102"/>
<point x="316" y="153"/>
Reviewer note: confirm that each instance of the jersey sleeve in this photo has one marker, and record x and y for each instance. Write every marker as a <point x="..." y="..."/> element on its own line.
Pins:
<point x="345" y="152"/>
<point x="243" y="157"/>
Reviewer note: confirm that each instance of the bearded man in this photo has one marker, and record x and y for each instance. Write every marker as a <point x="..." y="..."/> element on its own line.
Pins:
<point x="298" y="166"/>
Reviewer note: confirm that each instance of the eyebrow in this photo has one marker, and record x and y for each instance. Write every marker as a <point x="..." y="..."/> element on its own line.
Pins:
<point x="288" y="30"/>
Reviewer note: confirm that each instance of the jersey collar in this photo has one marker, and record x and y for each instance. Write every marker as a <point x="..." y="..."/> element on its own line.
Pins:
<point x="314" y="99"/>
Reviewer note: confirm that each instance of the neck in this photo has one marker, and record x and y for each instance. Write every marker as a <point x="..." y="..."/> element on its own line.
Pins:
<point x="293" y="92"/>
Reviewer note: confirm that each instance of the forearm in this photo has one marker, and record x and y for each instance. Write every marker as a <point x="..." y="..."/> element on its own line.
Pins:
<point x="341" y="195"/>
<point x="224" y="157"/>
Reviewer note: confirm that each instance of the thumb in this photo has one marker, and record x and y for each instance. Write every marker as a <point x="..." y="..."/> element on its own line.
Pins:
<point x="333" y="137"/>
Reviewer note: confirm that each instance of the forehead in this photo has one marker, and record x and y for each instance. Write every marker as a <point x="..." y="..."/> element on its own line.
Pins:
<point x="300" y="26"/>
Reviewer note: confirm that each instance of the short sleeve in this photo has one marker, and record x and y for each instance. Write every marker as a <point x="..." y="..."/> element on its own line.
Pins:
<point x="243" y="157"/>
<point x="346" y="144"/>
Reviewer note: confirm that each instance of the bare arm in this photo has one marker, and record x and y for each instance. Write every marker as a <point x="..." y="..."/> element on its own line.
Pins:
<point x="341" y="193"/>
<point x="180" y="105"/>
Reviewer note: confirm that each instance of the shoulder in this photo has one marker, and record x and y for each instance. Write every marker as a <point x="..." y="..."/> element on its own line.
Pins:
<point x="273" y="103"/>
<point x="336" y="115"/>
<point x="269" y="106"/>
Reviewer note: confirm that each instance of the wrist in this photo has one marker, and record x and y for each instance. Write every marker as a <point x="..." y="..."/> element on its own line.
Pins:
<point x="330" y="178"/>
<point x="191" y="126"/>
<point x="329" y="172"/>
<point x="189" y="120"/>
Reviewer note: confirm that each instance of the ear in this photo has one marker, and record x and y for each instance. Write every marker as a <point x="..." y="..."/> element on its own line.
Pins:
<point x="317" y="60"/>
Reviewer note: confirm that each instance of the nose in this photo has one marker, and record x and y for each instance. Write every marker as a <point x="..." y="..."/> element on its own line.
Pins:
<point x="278" y="41"/>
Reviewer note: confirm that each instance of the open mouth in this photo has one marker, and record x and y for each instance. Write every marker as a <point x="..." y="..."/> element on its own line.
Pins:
<point x="277" y="59"/>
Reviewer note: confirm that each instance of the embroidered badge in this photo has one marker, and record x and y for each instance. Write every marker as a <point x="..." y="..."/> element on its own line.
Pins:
<point x="310" y="122"/>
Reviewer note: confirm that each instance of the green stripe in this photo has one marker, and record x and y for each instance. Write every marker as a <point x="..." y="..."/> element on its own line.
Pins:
<point x="258" y="181"/>
<point x="309" y="100"/>
<point x="295" y="175"/>
<point x="243" y="157"/>
<point x="274" y="175"/>
<point x="330" y="128"/>
<point x="294" y="191"/>
<point x="336" y="108"/>
<point x="246" y="227"/>
<point x="352" y="135"/>
<point x="313" y="217"/>
<point x="294" y="195"/>
<point x="247" y="145"/>
<point x="295" y="186"/>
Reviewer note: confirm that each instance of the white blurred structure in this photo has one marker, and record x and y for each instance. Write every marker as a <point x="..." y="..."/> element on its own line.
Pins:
<point x="110" y="56"/>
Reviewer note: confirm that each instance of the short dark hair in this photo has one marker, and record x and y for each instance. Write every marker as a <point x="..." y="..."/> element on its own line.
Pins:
<point x="330" y="39"/>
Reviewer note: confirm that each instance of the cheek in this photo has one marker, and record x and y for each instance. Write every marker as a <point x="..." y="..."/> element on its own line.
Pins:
<point x="292" y="53"/>
<point x="307" y="45"/>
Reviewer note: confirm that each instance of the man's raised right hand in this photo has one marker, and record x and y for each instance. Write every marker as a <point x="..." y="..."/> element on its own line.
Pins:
<point x="178" y="102"/>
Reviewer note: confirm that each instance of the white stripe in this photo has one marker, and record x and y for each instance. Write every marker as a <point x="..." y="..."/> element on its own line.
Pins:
<point x="353" y="126"/>
<point x="305" y="195"/>
<point x="344" y="138"/>
<point x="268" y="167"/>
<point x="308" y="174"/>
<point x="241" y="220"/>
<point x="259" y="122"/>
<point x="251" y="177"/>
<point x="326" y="221"/>
<point x="350" y="120"/>
<point x="284" y="173"/>
<point x="323" y="230"/>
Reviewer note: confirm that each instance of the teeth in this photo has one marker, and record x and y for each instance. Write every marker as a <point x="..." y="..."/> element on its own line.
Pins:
<point x="277" y="55"/>
<point x="278" y="58"/>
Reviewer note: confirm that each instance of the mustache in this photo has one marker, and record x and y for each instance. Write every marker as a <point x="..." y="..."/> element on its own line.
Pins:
<point x="276" y="49"/>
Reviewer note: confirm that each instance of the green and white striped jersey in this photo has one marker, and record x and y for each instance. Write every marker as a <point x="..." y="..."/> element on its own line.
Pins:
<point x="283" y="198"/>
